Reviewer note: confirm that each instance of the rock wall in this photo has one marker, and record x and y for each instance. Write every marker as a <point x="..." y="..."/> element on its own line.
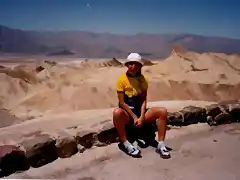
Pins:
<point x="44" y="148"/>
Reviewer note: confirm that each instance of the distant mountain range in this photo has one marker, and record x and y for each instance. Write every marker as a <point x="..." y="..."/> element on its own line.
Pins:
<point x="104" y="45"/>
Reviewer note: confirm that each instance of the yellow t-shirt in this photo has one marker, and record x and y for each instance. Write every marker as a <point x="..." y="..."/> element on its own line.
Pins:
<point x="132" y="86"/>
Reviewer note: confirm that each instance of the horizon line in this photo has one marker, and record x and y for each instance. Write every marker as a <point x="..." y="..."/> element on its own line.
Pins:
<point x="120" y="34"/>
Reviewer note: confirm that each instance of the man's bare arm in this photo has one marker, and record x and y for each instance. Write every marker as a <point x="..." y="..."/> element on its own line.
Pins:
<point x="144" y="104"/>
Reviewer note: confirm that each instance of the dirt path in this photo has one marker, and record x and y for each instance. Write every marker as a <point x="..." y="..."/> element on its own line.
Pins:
<point x="206" y="154"/>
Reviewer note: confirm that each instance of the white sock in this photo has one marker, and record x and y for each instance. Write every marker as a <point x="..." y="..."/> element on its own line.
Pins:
<point x="127" y="144"/>
<point x="161" y="145"/>
<point x="162" y="148"/>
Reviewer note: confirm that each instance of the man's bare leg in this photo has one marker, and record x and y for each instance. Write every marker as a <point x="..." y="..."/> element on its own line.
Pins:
<point x="161" y="114"/>
<point x="120" y="119"/>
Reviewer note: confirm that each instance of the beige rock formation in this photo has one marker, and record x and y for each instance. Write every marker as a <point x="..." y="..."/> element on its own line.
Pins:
<point x="35" y="88"/>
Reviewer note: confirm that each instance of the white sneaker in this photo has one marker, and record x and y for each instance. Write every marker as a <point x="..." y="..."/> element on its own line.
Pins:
<point x="132" y="150"/>
<point x="164" y="153"/>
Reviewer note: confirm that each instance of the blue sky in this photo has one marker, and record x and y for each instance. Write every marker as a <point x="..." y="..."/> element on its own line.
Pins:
<point x="206" y="17"/>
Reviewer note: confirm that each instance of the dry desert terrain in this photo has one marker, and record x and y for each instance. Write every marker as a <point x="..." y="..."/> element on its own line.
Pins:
<point x="30" y="89"/>
<point x="52" y="95"/>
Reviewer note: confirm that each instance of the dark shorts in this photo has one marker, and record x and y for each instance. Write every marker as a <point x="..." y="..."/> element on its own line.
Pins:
<point x="134" y="103"/>
<point x="136" y="111"/>
<point x="145" y="132"/>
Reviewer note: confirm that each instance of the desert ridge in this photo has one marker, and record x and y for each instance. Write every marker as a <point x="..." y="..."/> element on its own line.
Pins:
<point x="30" y="89"/>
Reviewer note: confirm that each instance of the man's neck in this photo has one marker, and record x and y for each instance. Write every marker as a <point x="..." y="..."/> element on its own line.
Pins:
<point x="132" y="75"/>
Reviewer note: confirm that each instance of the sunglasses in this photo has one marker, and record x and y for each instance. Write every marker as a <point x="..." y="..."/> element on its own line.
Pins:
<point x="133" y="62"/>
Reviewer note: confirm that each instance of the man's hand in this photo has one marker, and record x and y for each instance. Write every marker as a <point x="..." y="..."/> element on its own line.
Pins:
<point x="138" y="122"/>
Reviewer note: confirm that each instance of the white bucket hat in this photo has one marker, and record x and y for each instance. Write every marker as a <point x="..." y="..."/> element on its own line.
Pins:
<point x="134" y="57"/>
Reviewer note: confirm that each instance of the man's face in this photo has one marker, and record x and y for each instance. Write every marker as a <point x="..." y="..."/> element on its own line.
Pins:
<point x="133" y="67"/>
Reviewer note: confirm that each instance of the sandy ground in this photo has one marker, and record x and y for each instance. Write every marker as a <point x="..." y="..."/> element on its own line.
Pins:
<point x="206" y="153"/>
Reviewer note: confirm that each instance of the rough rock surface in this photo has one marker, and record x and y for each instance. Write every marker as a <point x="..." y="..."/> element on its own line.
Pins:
<point x="175" y="118"/>
<point x="108" y="134"/>
<point x="12" y="159"/>
<point x="7" y="119"/>
<point x="86" y="138"/>
<point x="81" y="148"/>
<point x="188" y="115"/>
<point x="189" y="161"/>
<point x="66" y="145"/>
<point x="193" y="115"/>
<point x="215" y="114"/>
<point x="43" y="148"/>
<point x="40" y="150"/>
<point x="224" y="112"/>
<point x="232" y="107"/>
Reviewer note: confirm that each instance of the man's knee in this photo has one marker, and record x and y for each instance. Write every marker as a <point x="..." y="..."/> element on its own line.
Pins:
<point x="162" y="112"/>
<point x="119" y="113"/>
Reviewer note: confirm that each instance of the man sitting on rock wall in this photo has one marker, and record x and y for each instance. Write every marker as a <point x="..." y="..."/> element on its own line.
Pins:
<point x="132" y="89"/>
